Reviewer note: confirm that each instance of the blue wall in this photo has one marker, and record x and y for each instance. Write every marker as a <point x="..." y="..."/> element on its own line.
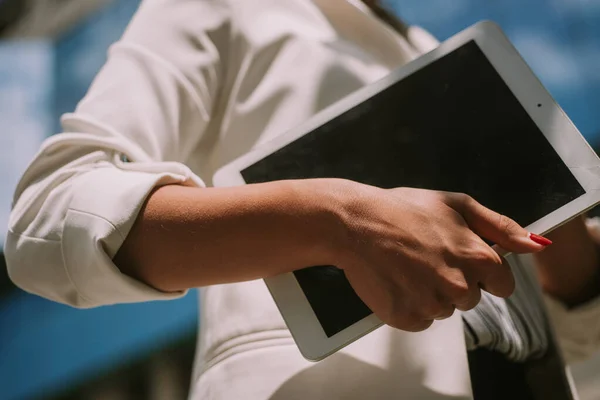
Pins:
<point x="559" y="39"/>
<point x="47" y="347"/>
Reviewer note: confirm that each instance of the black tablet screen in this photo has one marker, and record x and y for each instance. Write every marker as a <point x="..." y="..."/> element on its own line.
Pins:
<point x="453" y="125"/>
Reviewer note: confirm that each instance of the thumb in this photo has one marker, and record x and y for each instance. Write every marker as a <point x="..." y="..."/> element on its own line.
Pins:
<point x="497" y="228"/>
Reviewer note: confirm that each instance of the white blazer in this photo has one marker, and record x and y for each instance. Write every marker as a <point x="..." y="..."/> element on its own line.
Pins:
<point x="191" y="86"/>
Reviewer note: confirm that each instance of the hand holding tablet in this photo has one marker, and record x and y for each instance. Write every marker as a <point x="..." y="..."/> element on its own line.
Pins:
<point x="469" y="117"/>
<point x="415" y="255"/>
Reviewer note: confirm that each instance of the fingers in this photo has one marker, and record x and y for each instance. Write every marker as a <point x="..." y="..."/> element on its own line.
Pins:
<point x="477" y="266"/>
<point x="411" y="324"/>
<point x="446" y="312"/>
<point x="463" y="293"/>
<point x="414" y="314"/>
<point x="390" y="302"/>
<point x="493" y="226"/>
<point x="420" y="326"/>
<point x="500" y="282"/>
<point x="471" y="300"/>
<point x="492" y="272"/>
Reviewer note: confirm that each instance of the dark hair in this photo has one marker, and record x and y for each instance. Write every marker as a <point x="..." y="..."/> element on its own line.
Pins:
<point x="387" y="16"/>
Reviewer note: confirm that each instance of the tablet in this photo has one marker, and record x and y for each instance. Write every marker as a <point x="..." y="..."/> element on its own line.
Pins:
<point x="469" y="117"/>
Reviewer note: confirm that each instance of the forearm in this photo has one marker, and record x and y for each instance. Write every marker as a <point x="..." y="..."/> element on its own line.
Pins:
<point x="190" y="237"/>
<point x="569" y="270"/>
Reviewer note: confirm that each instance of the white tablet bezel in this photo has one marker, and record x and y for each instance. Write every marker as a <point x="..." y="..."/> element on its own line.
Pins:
<point x="548" y="116"/>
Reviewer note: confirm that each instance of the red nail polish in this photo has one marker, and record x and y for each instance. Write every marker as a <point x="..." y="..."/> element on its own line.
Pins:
<point x="540" y="239"/>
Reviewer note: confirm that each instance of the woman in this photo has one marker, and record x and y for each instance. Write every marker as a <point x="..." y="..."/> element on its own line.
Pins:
<point x="115" y="209"/>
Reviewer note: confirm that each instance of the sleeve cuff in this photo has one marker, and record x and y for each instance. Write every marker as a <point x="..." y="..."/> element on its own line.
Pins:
<point x="104" y="206"/>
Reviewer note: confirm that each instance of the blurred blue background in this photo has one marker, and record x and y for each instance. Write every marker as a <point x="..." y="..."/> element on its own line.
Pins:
<point x="46" y="348"/>
<point x="559" y="39"/>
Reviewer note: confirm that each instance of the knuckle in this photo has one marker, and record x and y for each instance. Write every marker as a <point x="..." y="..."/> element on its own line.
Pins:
<point x="458" y="289"/>
<point x="467" y="306"/>
<point x="419" y="319"/>
<point x="448" y="312"/>
<point x="464" y="199"/>
<point x="485" y="259"/>
<point x="476" y="297"/>
<point x="468" y="200"/>
<point x="481" y="255"/>
<point x="473" y="299"/>
<point x="507" y="225"/>
<point x="431" y="309"/>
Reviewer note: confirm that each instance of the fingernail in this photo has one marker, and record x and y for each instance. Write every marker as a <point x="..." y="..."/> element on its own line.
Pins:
<point x="540" y="239"/>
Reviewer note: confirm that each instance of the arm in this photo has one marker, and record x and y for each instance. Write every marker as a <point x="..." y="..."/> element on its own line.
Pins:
<point x="388" y="242"/>
<point x="77" y="201"/>
<point x="569" y="270"/>
<point x="190" y="237"/>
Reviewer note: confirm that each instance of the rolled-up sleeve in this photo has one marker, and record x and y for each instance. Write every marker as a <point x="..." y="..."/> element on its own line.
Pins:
<point x="577" y="329"/>
<point x="143" y="116"/>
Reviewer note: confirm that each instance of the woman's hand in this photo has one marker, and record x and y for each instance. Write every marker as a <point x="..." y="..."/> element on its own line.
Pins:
<point x="411" y="255"/>
<point x="414" y="255"/>
<point x="570" y="269"/>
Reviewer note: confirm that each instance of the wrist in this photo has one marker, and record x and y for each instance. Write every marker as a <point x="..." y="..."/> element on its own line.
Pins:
<point x="328" y="204"/>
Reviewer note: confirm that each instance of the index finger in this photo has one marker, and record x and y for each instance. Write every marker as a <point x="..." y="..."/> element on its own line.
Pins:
<point x="493" y="226"/>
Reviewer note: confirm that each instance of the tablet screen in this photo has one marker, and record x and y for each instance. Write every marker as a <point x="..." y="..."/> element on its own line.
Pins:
<point x="453" y="125"/>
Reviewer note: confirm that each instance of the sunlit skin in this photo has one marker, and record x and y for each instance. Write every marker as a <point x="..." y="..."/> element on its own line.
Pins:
<point x="412" y="255"/>
<point x="570" y="268"/>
